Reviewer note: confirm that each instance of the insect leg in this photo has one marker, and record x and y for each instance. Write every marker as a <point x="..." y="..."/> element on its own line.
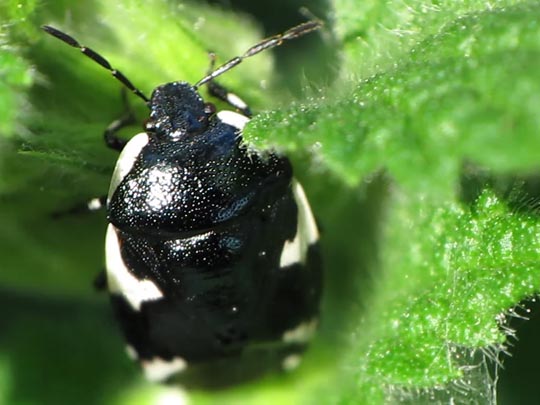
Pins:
<point x="128" y="118"/>
<point x="94" y="204"/>
<point x="100" y="281"/>
<point x="222" y="93"/>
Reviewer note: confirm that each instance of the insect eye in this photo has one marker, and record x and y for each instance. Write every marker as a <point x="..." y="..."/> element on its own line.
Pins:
<point x="148" y="125"/>
<point x="209" y="109"/>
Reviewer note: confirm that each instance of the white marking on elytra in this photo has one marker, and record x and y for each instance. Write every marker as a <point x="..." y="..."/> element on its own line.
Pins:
<point x="295" y="251"/>
<point x="301" y="333"/>
<point x="233" y="119"/>
<point x="291" y="362"/>
<point x="94" y="204"/>
<point x="158" y="369"/>
<point x="126" y="160"/>
<point x="119" y="278"/>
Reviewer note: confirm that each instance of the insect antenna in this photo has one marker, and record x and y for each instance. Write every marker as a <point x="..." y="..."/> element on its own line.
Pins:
<point x="96" y="57"/>
<point x="266" y="43"/>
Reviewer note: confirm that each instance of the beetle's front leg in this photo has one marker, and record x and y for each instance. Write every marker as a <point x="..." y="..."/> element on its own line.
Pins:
<point x="222" y="93"/>
<point x="94" y="204"/>
<point x="100" y="281"/>
<point x="112" y="140"/>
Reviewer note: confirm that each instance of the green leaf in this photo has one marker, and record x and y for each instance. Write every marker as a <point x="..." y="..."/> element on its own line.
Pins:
<point x="447" y="296"/>
<point x="459" y="95"/>
<point x="448" y="84"/>
<point x="15" y="73"/>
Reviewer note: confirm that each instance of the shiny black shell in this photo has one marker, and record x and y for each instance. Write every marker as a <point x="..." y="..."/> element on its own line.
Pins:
<point x="207" y="264"/>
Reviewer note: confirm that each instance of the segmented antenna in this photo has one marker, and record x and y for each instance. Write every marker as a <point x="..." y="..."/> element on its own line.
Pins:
<point x="267" y="43"/>
<point x="96" y="57"/>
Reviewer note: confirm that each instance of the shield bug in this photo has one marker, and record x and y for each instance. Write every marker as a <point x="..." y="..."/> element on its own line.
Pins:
<point x="212" y="258"/>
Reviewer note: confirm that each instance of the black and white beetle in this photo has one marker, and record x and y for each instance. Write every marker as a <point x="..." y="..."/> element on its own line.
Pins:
<point x="211" y="250"/>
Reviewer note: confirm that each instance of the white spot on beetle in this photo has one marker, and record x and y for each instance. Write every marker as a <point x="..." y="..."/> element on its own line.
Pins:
<point x="126" y="160"/>
<point x="295" y="251"/>
<point x="233" y="119"/>
<point x="291" y="362"/>
<point x="158" y="369"/>
<point x="302" y="333"/>
<point x="119" y="278"/>
<point x="94" y="204"/>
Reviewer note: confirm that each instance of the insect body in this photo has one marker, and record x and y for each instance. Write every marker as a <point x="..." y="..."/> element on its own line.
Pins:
<point x="211" y="248"/>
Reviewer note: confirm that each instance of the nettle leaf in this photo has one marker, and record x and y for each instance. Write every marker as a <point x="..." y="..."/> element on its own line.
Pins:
<point x="466" y="92"/>
<point x="436" y="313"/>
<point x="446" y="85"/>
